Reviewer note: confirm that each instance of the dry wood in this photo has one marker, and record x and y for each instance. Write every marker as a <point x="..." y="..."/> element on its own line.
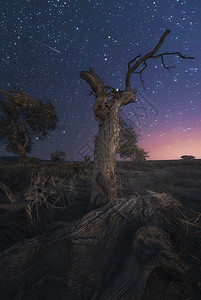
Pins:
<point x="83" y="253"/>
<point x="8" y="192"/>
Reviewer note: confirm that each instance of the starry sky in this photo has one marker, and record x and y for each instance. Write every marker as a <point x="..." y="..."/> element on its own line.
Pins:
<point x="44" y="45"/>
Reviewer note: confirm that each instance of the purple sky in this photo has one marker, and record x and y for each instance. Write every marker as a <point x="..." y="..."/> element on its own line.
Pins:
<point x="45" y="44"/>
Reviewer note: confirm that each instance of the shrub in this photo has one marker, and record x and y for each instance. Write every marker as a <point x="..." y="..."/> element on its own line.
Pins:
<point x="57" y="156"/>
<point x="188" y="157"/>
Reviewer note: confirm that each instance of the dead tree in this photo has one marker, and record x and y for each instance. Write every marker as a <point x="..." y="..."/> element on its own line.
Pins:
<point x="106" y="110"/>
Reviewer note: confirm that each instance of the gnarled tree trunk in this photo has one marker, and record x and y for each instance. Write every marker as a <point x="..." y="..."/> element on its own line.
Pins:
<point x="106" y="110"/>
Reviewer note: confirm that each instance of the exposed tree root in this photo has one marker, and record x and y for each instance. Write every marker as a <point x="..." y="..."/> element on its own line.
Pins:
<point x="109" y="254"/>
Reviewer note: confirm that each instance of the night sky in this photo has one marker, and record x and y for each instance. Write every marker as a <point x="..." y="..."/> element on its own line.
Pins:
<point x="45" y="44"/>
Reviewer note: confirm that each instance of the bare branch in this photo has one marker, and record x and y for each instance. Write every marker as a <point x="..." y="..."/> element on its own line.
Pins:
<point x="151" y="55"/>
<point x="144" y="58"/>
<point x="140" y="72"/>
<point x="93" y="80"/>
<point x="91" y="93"/>
<point x="8" y="192"/>
<point x="166" y="67"/>
<point x="171" y="53"/>
<point x="130" y="62"/>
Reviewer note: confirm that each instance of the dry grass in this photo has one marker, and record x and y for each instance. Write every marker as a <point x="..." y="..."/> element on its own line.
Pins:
<point x="47" y="194"/>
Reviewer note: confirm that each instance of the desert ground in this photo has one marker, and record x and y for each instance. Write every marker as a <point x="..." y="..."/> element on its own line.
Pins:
<point x="39" y="200"/>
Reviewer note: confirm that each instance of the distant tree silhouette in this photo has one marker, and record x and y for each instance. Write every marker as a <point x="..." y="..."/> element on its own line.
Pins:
<point x="22" y="118"/>
<point x="58" y="156"/>
<point x="128" y="147"/>
<point x="188" y="157"/>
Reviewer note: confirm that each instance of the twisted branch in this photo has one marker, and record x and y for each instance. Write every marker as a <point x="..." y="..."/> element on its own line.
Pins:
<point x="150" y="55"/>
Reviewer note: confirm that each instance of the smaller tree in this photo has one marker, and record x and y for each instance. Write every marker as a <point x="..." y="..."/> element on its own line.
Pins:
<point x="128" y="147"/>
<point x="58" y="156"/>
<point x="188" y="157"/>
<point x="140" y="154"/>
<point x="22" y="118"/>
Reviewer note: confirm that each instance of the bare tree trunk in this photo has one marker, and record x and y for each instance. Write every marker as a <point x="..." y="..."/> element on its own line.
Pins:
<point x="15" y="142"/>
<point x="22" y="156"/>
<point x="104" y="181"/>
<point x="106" y="111"/>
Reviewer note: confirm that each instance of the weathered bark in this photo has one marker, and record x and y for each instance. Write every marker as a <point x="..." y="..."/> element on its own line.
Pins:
<point x="14" y="140"/>
<point x="109" y="254"/>
<point x="106" y="111"/>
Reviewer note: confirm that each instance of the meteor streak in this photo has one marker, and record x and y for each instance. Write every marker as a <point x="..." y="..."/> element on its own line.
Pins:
<point x="44" y="44"/>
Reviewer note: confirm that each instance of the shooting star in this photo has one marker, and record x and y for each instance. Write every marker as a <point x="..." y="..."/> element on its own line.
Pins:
<point x="44" y="44"/>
